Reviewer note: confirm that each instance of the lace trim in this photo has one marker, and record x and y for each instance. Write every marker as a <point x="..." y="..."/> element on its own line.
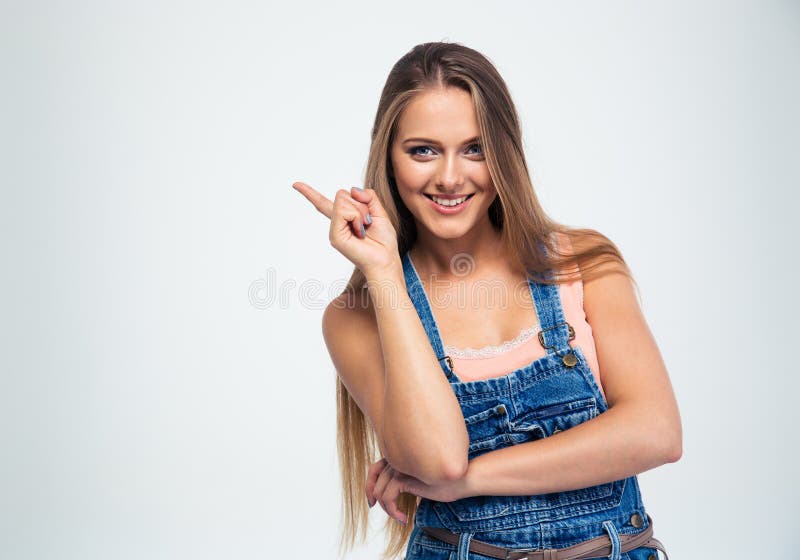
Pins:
<point x="493" y="350"/>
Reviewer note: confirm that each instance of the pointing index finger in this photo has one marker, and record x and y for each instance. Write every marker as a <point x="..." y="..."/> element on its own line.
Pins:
<point x="320" y="202"/>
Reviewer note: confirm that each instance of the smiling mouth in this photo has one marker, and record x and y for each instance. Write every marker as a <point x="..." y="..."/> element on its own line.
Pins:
<point x="448" y="202"/>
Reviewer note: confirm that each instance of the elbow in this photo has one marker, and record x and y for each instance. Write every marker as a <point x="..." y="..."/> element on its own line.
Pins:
<point x="662" y="436"/>
<point x="671" y="443"/>
<point x="455" y="465"/>
<point x="431" y="472"/>
<point x="675" y="450"/>
<point x="448" y="471"/>
<point x="660" y="449"/>
<point x="443" y="471"/>
<point x="433" y="465"/>
<point x="456" y="470"/>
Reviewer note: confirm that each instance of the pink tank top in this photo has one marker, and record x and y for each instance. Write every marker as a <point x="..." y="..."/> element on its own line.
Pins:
<point x="470" y="364"/>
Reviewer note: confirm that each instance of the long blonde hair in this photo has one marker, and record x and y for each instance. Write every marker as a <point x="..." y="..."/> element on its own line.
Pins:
<point x="515" y="212"/>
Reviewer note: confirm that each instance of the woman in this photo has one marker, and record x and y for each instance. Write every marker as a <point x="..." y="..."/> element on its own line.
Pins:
<point x="520" y="450"/>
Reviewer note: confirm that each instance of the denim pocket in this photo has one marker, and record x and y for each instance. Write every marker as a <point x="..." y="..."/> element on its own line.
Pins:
<point x="548" y="420"/>
<point x="488" y="428"/>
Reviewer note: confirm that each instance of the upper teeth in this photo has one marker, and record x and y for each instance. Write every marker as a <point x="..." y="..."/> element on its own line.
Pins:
<point x="448" y="202"/>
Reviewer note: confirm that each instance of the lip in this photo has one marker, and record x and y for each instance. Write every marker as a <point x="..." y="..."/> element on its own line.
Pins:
<point x="450" y="210"/>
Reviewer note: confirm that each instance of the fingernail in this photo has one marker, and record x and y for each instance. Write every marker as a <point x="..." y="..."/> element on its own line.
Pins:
<point x="369" y="218"/>
<point x="359" y="189"/>
<point x="363" y="231"/>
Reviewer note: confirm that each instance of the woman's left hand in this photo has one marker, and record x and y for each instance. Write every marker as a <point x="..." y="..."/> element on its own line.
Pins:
<point x="385" y="484"/>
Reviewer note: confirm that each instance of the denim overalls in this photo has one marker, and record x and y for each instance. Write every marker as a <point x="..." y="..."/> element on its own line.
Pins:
<point x="551" y="394"/>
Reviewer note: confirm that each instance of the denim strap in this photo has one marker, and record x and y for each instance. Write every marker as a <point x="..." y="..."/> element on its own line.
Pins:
<point x="463" y="546"/>
<point x="616" y="548"/>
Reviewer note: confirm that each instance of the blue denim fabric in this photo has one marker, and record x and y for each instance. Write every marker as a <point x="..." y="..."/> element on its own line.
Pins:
<point x="530" y="403"/>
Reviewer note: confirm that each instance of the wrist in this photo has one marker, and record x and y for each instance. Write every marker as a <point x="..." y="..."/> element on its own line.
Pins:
<point x="385" y="273"/>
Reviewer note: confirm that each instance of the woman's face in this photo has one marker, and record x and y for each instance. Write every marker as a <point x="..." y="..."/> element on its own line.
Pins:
<point x="437" y="153"/>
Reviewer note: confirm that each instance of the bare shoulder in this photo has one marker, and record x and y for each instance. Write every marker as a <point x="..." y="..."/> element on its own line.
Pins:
<point x="607" y="286"/>
<point x="351" y="335"/>
<point x="350" y="329"/>
<point x="350" y="305"/>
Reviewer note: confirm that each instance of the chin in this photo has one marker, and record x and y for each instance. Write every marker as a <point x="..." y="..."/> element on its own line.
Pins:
<point x="449" y="231"/>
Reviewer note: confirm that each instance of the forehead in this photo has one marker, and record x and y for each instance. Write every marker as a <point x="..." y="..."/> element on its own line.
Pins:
<point x="445" y="115"/>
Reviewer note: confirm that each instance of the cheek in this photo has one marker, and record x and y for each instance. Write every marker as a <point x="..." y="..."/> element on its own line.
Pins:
<point x="484" y="178"/>
<point x="410" y="176"/>
<point x="484" y="182"/>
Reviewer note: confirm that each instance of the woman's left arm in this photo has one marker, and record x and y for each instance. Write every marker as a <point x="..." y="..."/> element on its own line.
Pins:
<point x="640" y="430"/>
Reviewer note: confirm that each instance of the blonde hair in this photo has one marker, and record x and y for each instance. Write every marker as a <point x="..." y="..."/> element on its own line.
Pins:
<point x="515" y="212"/>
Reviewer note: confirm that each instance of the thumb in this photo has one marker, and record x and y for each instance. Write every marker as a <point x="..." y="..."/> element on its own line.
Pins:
<point x="370" y="198"/>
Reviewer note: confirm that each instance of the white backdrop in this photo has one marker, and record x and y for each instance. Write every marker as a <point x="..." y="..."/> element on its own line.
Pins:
<point x="165" y="391"/>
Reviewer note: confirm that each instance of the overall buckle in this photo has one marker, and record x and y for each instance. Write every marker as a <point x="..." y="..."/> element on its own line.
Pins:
<point x="540" y="334"/>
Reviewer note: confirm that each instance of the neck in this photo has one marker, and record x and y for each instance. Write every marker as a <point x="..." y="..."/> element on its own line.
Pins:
<point x="450" y="258"/>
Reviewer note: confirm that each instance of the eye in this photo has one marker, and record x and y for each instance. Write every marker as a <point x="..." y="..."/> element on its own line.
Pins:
<point x="413" y="151"/>
<point x="480" y="148"/>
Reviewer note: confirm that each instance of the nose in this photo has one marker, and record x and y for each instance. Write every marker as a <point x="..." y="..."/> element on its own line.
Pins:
<point x="450" y="175"/>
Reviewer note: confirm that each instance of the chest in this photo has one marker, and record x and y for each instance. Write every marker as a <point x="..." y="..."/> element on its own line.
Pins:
<point x="477" y="314"/>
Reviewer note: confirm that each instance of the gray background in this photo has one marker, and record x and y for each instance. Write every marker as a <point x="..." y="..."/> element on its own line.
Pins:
<point x="165" y="389"/>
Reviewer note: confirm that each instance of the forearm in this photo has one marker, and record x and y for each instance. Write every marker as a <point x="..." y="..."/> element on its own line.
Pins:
<point x="423" y="427"/>
<point x="623" y="441"/>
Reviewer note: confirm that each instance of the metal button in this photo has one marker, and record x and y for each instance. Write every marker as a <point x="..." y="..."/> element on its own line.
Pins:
<point x="652" y="557"/>
<point x="569" y="359"/>
<point x="501" y="409"/>
<point x="636" y="520"/>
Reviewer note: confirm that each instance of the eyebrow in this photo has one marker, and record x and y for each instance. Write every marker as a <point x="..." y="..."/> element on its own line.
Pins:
<point x="429" y="141"/>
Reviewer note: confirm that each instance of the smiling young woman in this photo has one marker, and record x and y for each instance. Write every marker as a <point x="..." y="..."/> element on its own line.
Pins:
<point x="506" y="430"/>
